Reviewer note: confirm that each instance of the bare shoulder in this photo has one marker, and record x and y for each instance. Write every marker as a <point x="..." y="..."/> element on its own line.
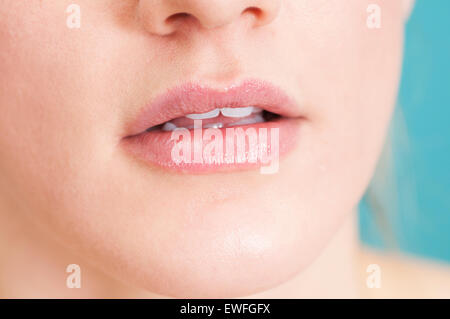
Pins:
<point x="403" y="276"/>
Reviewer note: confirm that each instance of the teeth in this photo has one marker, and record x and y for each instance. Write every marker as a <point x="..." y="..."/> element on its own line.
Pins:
<point x="213" y="125"/>
<point x="227" y="112"/>
<point x="252" y="120"/>
<point x="203" y="116"/>
<point x="168" y="127"/>
<point x="237" y="112"/>
<point x="257" y="109"/>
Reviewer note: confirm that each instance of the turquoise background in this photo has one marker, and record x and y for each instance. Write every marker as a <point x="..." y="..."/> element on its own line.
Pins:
<point x="421" y="219"/>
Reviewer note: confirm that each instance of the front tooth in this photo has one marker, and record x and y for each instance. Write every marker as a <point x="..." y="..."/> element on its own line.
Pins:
<point x="251" y="120"/>
<point x="257" y="110"/>
<point x="237" y="112"/>
<point x="203" y="116"/>
<point x="169" y="127"/>
<point x="214" y="125"/>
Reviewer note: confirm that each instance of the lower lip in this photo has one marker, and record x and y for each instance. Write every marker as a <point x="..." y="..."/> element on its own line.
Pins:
<point x="155" y="148"/>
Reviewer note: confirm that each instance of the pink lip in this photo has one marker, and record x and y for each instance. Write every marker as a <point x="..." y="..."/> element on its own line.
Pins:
<point x="155" y="147"/>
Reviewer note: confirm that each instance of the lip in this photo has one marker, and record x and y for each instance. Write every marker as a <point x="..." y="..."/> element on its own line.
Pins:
<point x="155" y="147"/>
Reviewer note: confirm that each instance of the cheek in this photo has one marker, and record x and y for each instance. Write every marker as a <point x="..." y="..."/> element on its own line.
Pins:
<point x="350" y="83"/>
<point x="52" y="138"/>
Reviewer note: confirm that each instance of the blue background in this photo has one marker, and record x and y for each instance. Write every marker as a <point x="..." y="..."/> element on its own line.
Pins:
<point x="421" y="219"/>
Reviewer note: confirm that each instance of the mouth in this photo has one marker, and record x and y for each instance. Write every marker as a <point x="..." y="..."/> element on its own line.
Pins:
<point x="197" y="129"/>
<point x="218" y="118"/>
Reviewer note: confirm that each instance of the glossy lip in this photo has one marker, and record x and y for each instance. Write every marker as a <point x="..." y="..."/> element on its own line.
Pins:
<point x="155" y="147"/>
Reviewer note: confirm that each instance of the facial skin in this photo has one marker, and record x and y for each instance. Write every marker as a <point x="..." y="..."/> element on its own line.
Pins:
<point x="67" y="95"/>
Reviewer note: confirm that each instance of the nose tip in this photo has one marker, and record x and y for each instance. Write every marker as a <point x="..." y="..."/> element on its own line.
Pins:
<point x="163" y="17"/>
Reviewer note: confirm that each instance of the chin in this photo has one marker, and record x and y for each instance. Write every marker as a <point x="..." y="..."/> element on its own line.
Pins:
<point x="235" y="249"/>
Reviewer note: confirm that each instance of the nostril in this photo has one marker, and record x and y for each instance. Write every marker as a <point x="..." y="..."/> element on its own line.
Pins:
<point x="256" y="12"/>
<point x="186" y="16"/>
<point x="178" y="17"/>
<point x="262" y="16"/>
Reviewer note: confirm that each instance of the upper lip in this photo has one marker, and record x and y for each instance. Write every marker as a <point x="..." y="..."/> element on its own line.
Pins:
<point x="196" y="98"/>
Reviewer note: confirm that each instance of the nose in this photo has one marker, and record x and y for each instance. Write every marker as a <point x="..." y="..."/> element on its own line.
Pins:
<point x="163" y="17"/>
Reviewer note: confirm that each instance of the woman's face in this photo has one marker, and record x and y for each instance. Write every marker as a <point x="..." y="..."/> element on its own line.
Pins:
<point x="69" y="95"/>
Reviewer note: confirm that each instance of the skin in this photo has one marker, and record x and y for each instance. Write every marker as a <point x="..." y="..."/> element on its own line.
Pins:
<point x="66" y="96"/>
